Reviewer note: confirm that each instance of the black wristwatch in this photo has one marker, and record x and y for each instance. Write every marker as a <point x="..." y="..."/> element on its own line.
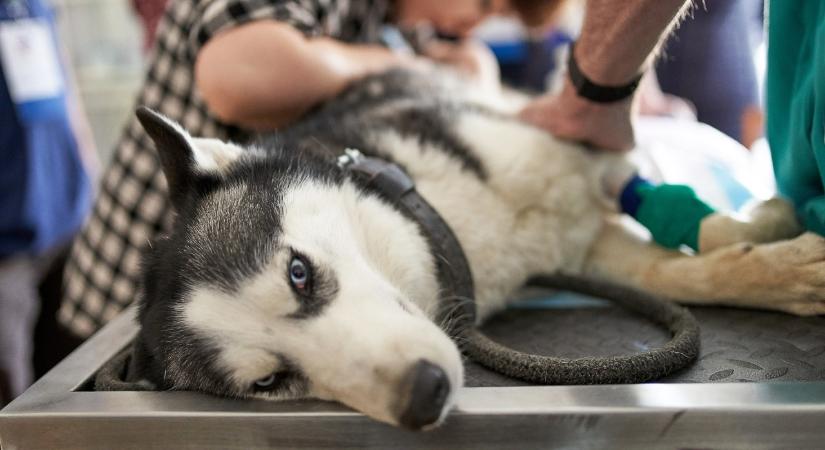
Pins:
<point x="596" y="92"/>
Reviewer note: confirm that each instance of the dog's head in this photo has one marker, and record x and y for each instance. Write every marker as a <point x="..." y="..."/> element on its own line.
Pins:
<point x="281" y="279"/>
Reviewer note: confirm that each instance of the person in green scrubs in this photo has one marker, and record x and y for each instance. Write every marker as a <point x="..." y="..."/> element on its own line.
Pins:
<point x="795" y="105"/>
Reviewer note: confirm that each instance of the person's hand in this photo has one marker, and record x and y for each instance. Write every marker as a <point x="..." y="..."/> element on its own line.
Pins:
<point x="469" y="57"/>
<point x="566" y="115"/>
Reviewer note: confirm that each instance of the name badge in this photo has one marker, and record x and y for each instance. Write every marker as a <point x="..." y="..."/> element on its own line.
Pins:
<point x="30" y="60"/>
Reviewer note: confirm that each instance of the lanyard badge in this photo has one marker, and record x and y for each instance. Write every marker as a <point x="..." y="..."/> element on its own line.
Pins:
<point x="31" y="66"/>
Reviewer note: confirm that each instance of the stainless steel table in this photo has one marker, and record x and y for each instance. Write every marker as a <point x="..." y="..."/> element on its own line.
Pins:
<point x="60" y="411"/>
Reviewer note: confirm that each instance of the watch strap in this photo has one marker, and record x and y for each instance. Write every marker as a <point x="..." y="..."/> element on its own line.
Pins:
<point x="595" y="92"/>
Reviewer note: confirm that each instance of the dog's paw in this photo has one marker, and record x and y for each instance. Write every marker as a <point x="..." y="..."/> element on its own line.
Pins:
<point x="787" y="276"/>
<point x="767" y="221"/>
<point x="774" y="220"/>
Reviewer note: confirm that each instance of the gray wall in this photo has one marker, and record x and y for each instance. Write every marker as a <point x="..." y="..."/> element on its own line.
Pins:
<point x="103" y="39"/>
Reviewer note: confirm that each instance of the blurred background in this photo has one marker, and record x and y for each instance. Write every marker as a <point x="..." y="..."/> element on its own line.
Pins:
<point x="104" y="40"/>
<point x="107" y="39"/>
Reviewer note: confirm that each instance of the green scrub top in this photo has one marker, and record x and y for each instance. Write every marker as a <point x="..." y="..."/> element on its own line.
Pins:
<point x="795" y="105"/>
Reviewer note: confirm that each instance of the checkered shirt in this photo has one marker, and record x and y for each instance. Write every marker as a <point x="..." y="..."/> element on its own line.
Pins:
<point x="102" y="274"/>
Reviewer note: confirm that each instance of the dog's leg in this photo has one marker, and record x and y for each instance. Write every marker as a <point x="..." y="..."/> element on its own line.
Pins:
<point x="769" y="221"/>
<point x="787" y="276"/>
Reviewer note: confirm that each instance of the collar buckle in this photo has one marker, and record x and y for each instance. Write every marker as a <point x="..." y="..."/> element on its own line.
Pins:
<point x="350" y="157"/>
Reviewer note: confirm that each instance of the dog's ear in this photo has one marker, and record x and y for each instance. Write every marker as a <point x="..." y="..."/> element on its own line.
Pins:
<point x="175" y="149"/>
<point x="182" y="157"/>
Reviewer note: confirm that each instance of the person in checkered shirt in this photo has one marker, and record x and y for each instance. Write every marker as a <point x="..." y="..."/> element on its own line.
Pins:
<point x="227" y="68"/>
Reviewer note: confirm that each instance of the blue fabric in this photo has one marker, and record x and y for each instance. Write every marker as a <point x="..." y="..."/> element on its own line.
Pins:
<point x="527" y="63"/>
<point x="631" y="197"/>
<point x="709" y="60"/>
<point x="44" y="190"/>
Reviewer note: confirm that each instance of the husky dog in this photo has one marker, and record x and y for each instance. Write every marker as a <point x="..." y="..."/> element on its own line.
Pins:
<point x="282" y="278"/>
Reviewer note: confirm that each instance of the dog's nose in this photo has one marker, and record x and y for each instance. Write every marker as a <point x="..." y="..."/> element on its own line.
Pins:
<point x="430" y="388"/>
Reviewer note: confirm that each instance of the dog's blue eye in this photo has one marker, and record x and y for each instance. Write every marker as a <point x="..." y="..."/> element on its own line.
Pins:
<point x="265" y="383"/>
<point x="273" y="382"/>
<point x="299" y="274"/>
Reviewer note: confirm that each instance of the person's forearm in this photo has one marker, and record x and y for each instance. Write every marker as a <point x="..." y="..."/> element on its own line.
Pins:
<point x="618" y="37"/>
<point x="266" y="74"/>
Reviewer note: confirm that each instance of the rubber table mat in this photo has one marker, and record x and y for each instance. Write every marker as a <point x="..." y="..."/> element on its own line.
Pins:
<point x="737" y="345"/>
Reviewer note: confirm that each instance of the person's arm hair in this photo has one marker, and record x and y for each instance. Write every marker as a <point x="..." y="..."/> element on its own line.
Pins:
<point x="618" y="37"/>
<point x="266" y="74"/>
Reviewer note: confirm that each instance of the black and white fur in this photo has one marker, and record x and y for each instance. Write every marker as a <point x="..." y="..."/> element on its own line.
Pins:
<point x="220" y="310"/>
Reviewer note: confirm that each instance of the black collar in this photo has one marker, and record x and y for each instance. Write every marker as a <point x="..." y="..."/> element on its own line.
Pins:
<point x="456" y="292"/>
